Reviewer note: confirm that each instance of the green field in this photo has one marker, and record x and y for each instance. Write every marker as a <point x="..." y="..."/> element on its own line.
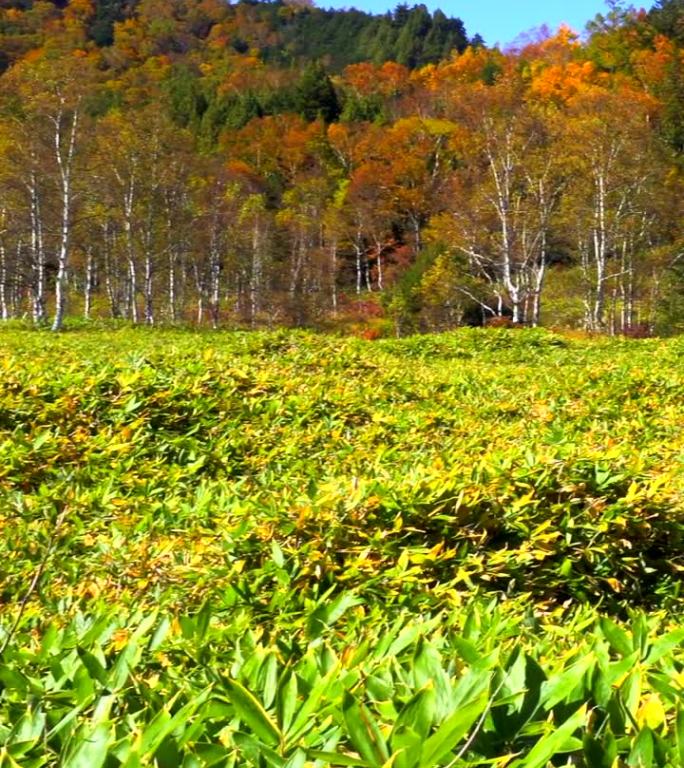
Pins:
<point x="285" y="549"/>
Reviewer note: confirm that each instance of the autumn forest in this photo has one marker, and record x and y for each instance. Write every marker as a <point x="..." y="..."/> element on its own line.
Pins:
<point x="273" y="163"/>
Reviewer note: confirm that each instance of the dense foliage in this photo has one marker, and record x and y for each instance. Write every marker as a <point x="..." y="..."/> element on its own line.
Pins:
<point x="257" y="163"/>
<point x="280" y="549"/>
<point x="295" y="31"/>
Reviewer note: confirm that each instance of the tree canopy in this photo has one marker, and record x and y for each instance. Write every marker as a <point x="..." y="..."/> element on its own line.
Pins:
<point x="266" y="162"/>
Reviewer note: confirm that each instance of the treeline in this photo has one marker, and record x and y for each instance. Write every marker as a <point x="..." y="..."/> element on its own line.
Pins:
<point x="173" y="173"/>
<point x="412" y="36"/>
<point x="283" y="33"/>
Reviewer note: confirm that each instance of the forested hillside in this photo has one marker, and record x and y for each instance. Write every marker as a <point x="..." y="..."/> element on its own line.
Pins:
<point x="276" y="163"/>
<point x="281" y="32"/>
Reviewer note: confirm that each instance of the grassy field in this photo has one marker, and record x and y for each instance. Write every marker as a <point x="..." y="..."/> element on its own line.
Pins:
<point x="282" y="549"/>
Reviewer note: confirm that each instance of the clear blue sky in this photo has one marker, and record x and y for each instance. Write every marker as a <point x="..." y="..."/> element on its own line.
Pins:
<point x="497" y="20"/>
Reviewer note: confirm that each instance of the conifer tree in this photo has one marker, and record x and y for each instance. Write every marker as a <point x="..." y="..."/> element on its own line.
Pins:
<point x="316" y="96"/>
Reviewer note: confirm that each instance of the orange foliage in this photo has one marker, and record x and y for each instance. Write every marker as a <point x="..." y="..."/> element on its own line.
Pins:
<point x="560" y="82"/>
<point x="467" y="67"/>
<point x="389" y="79"/>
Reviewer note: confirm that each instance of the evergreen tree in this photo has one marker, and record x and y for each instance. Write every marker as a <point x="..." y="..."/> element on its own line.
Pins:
<point x="316" y="96"/>
<point x="672" y="96"/>
<point x="445" y="35"/>
<point x="106" y="13"/>
<point x="412" y="36"/>
<point x="667" y="16"/>
<point x="380" y="41"/>
<point x="186" y="101"/>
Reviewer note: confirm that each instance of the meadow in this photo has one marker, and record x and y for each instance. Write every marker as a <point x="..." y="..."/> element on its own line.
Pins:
<point x="292" y="550"/>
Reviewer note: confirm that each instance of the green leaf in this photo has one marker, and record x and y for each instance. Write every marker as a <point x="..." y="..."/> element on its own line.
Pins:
<point x="269" y="676"/>
<point x="418" y="714"/>
<point x="297" y="760"/>
<point x="311" y="704"/>
<point x="467" y="651"/>
<point x="328" y="613"/>
<point x="277" y="554"/>
<point x="13" y="679"/>
<point x="452" y="731"/>
<point x="90" y="749"/>
<point x="599" y="754"/>
<point x="616" y="636"/>
<point x="251" y="712"/>
<point x="641" y="754"/>
<point x="333" y="758"/>
<point x="553" y="743"/>
<point x="364" y="732"/>
<point x="665" y="645"/>
<point x="28" y="729"/>
<point x="428" y="670"/>
<point x="164" y="724"/>
<point x="125" y="663"/>
<point x="159" y="634"/>
<point x="286" y="700"/>
<point x="618" y="669"/>
<point x="93" y="665"/>
<point x="560" y="687"/>
<point x="202" y="621"/>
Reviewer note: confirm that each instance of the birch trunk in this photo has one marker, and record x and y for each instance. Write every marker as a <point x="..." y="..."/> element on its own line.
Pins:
<point x="4" y="307"/>
<point x="255" y="276"/>
<point x="37" y="253"/>
<point x="129" y="196"/>
<point x="89" y="283"/>
<point x="600" y="254"/>
<point x="65" y="160"/>
<point x="333" y="277"/>
<point x="149" y="288"/>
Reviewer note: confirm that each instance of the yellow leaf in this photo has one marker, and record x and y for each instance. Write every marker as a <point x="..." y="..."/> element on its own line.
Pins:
<point x="651" y="712"/>
<point x="632" y="493"/>
<point x="120" y="638"/>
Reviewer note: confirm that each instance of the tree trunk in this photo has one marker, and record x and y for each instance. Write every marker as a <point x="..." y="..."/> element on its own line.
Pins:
<point x="4" y="307"/>
<point x="255" y="276"/>
<point x="130" y="250"/>
<point x="359" y="271"/>
<point x="65" y="160"/>
<point x="37" y="253"/>
<point x="149" y="287"/>
<point x="89" y="283"/>
<point x="333" y="277"/>
<point x="132" y="290"/>
<point x="600" y="254"/>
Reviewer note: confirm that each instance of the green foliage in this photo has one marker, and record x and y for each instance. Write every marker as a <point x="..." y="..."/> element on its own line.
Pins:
<point x="315" y="95"/>
<point x="359" y="109"/>
<point x="107" y="12"/>
<point x="281" y="549"/>
<point x="671" y="92"/>
<point x="404" y="302"/>
<point x="666" y="16"/>
<point x="412" y="36"/>
<point x="186" y="101"/>
<point x="208" y="689"/>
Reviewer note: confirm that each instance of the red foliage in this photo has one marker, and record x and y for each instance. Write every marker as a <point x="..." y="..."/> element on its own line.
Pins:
<point x="638" y="331"/>
<point x="501" y="322"/>
<point x="371" y="334"/>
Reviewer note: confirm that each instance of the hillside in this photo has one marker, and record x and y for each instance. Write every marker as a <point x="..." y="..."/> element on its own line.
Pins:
<point x="278" y="32"/>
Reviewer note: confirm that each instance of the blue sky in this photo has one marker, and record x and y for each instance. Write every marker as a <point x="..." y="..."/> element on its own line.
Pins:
<point x="497" y="20"/>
